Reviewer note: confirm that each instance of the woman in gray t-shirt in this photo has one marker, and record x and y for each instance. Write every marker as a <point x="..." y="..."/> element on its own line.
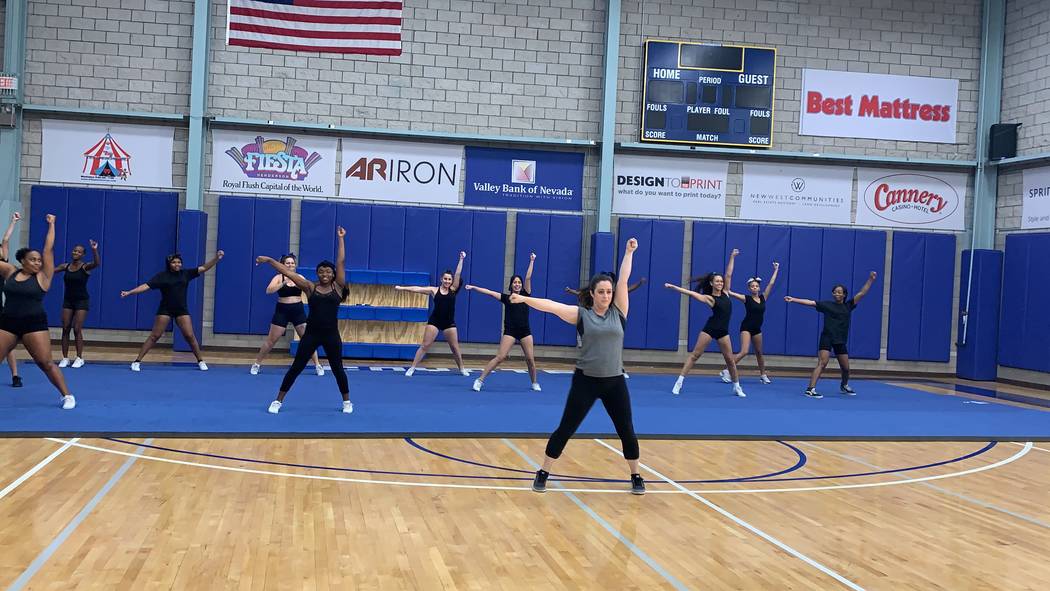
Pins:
<point x="599" y="319"/>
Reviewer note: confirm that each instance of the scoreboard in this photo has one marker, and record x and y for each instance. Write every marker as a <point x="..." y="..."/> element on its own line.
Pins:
<point x="701" y="94"/>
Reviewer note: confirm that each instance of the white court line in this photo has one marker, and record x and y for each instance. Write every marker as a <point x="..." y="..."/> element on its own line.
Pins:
<point x="827" y="571"/>
<point x="1021" y="453"/>
<point x="1033" y="446"/>
<point x="18" y="481"/>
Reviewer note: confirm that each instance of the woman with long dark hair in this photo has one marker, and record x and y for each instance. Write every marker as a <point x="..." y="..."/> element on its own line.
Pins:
<point x="442" y="317"/>
<point x="75" y="299"/>
<point x="289" y="310"/>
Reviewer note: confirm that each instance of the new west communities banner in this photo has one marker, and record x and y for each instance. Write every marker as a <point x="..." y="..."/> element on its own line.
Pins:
<point x="106" y="154"/>
<point x="272" y="163"/>
<point x="904" y="199"/>
<point x="401" y="171"/>
<point x="797" y="193"/>
<point x="648" y="185"/>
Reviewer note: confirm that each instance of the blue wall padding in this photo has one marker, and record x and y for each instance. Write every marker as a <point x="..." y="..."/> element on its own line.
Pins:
<point x="233" y="277"/>
<point x="563" y="269"/>
<point x="665" y="266"/>
<point x="485" y="320"/>
<point x="978" y="358"/>
<point x="86" y="211"/>
<point x="1036" y="341"/>
<point x="774" y="245"/>
<point x="158" y="226"/>
<point x="603" y="252"/>
<point x="387" y="243"/>
<point x="938" y="277"/>
<point x="48" y="200"/>
<point x="1014" y="300"/>
<point x="532" y="234"/>
<point x="637" y="322"/>
<point x="804" y="271"/>
<point x="455" y="234"/>
<point x="421" y="232"/>
<point x="272" y="218"/>
<point x="192" y="234"/>
<point x="743" y="237"/>
<point x="909" y="252"/>
<point x="356" y="219"/>
<point x="1025" y="319"/>
<point x="316" y="232"/>
<point x="123" y="260"/>
<point x="709" y="243"/>
<point x="869" y="254"/>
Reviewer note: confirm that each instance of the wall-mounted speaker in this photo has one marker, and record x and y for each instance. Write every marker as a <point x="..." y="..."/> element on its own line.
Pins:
<point x="1002" y="141"/>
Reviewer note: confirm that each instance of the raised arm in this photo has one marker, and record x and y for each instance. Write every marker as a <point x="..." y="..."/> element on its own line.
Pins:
<point x="864" y="290"/>
<point x="458" y="275"/>
<point x="569" y="314"/>
<point x="214" y="261"/>
<point x="96" y="258"/>
<point x="528" y="272"/>
<point x="620" y="298"/>
<point x="136" y="291"/>
<point x="772" y="280"/>
<point x="428" y="290"/>
<point x="488" y="292"/>
<point x="48" y="268"/>
<point x="710" y="301"/>
<point x="7" y="235"/>
<point x="802" y="301"/>
<point x="729" y="268"/>
<point x="340" y="256"/>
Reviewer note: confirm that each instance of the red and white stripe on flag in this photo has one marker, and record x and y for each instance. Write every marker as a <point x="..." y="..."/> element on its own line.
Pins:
<point x="326" y="26"/>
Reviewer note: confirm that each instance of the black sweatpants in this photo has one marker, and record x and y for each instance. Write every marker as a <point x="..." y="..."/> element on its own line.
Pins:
<point x="584" y="391"/>
<point x="333" y="348"/>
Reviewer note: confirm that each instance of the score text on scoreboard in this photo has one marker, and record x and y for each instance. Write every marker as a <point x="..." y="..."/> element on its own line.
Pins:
<point x="695" y="93"/>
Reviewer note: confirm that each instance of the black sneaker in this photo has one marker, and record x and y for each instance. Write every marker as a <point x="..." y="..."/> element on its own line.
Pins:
<point x="845" y="389"/>
<point x="539" y="484"/>
<point x="812" y="393"/>
<point x="637" y="484"/>
<point x="16" y="381"/>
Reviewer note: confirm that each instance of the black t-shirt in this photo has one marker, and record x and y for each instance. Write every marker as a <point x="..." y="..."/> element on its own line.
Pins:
<point x="836" y="319"/>
<point x="515" y="316"/>
<point x="172" y="287"/>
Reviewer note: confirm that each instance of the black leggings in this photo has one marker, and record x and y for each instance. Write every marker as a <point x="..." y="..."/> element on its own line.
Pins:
<point x="584" y="391"/>
<point x="333" y="348"/>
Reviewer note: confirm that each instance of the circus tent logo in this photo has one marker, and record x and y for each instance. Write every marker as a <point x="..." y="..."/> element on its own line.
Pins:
<point x="274" y="159"/>
<point x="106" y="160"/>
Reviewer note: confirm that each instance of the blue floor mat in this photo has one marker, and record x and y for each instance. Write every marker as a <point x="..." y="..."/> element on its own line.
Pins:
<point x="179" y="400"/>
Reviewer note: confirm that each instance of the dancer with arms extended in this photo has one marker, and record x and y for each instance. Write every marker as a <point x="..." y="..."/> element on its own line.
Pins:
<point x="16" y="380"/>
<point x="289" y="309"/>
<point x="751" y="326"/>
<point x="442" y="317"/>
<point x="75" y="299"/>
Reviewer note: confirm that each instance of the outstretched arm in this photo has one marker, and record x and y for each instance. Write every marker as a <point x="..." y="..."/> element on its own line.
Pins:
<point x="214" y="261"/>
<point x="96" y="258"/>
<point x="296" y="278"/>
<point x="620" y="298"/>
<point x="136" y="291"/>
<point x="804" y="302"/>
<point x="569" y="314"/>
<point x="457" y="277"/>
<point x="772" y="280"/>
<point x="710" y="301"/>
<point x="572" y="291"/>
<point x="7" y="235"/>
<point x="428" y="290"/>
<point x="729" y="268"/>
<point x="636" y="285"/>
<point x="482" y="290"/>
<point x="734" y="295"/>
<point x="528" y="272"/>
<point x="340" y="256"/>
<point x="864" y="290"/>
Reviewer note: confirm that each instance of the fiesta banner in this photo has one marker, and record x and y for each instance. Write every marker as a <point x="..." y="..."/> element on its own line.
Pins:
<point x="401" y="171"/>
<point x="524" y="179"/>
<point x="797" y="193"/>
<point x="1035" y="198"/>
<point x="918" y="200"/>
<point x="878" y="106"/>
<point x="106" y="154"/>
<point x="272" y="163"/>
<point x="681" y="187"/>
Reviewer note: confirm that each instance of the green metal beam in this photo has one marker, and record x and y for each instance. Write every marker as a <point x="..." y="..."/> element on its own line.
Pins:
<point x="11" y="138"/>
<point x="609" y="85"/>
<point x="198" y="106"/>
<point x="989" y="105"/>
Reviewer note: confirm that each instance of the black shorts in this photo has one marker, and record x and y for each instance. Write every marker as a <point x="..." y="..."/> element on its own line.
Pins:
<point x="753" y="329"/>
<point x="21" y="326"/>
<point x="440" y="324"/>
<point x="285" y="313"/>
<point x="716" y="333"/>
<point x="76" y="304"/>
<point x="836" y="348"/>
<point x="516" y="332"/>
<point x="173" y="312"/>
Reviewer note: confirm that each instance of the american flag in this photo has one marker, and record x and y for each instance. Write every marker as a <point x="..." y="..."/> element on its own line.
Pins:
<point x="326" y="26"/>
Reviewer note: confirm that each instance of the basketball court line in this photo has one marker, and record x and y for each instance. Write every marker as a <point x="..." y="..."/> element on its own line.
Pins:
<point x="29" y="473"/>
<point x="1033" y="447"/>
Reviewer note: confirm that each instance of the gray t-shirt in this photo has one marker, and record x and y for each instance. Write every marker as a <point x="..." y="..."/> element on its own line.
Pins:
<point x="601" y="355"/>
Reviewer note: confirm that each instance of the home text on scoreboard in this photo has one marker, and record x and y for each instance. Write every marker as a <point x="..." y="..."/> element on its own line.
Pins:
<point x="695" y="93"/>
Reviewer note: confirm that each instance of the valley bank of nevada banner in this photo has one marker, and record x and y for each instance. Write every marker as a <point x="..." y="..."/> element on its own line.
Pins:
<point x="686" y="187"/>
<point x="401" y="171"/>
<point x="272" y="163"/>
<point x="1035" y="198"/>
<point x="918" y="200"/>
<point x="878" y="106"/>
<point x="797" y="193"/>
<point x="105" y="154"/>
<point x="524" y="179"/>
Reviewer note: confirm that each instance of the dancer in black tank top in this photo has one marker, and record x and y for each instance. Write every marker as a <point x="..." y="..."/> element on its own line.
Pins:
<point x="23" y="318"/>
<point x="322" y="326"/>
<point x="289" y="310"/>
<point x="515" y="325"/>
<point x="442" y="317"/>
<point x="713" y="292"/>
<point x="75" y="299"/>
<point x="16" y="380"/>
<point x="173" y="283"/>
<point x="751" y="326"/>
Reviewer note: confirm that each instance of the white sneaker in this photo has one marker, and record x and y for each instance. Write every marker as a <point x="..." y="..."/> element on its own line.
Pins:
<point x="78" y="362"/>
<point x="724" y="374"/>
<point x="255" y="369"/>
<point x="64" y="362"/>
<point x="738" y="390"/>
<point x="477" y="385"/>
<point x="626" y="376"/>
<point x="409" y="372"/>
<point x="68" y="402"/>
<point x="136" y="366"/>
<point x="677" y="389"/>
<point x="203" y="366"/>
<point x="275" y="407"/>
<point x="536" y="387"/>
<point x="348" y="407"/>
<point x="765" y="379"/>
<point x="465" y="372"/>
<point x="319" y="370"/>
